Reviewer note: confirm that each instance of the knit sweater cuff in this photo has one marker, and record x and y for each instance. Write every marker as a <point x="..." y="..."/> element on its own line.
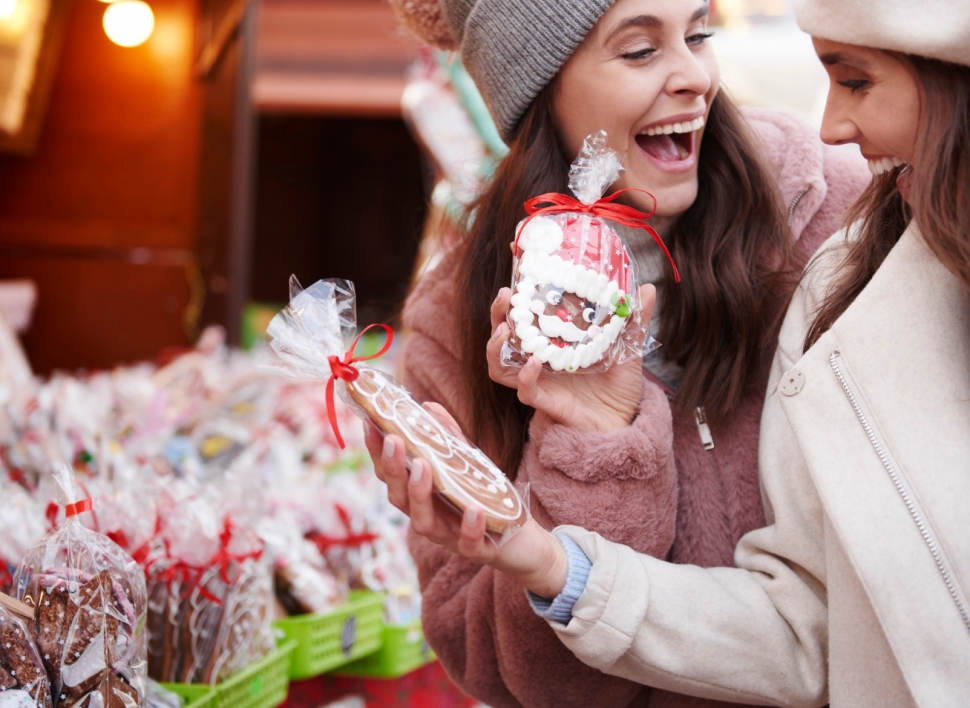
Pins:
<point x="560" y="608"/>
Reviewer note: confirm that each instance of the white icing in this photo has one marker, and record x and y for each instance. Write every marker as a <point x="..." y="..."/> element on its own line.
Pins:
<point x="539" y="263"/>
<point x="552" y="326"/>
<point x="451" y="455"/>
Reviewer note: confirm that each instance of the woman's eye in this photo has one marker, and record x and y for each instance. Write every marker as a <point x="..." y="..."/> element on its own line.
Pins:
<point x="589" y="314"/>
<point x="854" y="84"/>
<point x="699" y="38"/>
<point x="640" y="54"/>
<point x="553" y="297"/>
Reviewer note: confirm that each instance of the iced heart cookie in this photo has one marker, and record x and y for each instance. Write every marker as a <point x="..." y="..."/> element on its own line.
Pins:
<point x="462" y="473"/>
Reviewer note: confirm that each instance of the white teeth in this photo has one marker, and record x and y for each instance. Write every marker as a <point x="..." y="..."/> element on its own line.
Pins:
<point x="882" y="165"/>
<point x="688" y="127"/>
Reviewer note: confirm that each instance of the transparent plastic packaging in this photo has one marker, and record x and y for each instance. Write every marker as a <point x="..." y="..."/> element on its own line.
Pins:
<point x="574" y="285"/>
<point x="309" y="337"/>
<point x="210" y="597"/>
<point x="90" y="601"/>
<point x="23" y="679"/>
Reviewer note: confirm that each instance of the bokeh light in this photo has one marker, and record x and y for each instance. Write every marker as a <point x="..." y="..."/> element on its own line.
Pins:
<point x="128" y="23"/>
<point x="7" y="8"/>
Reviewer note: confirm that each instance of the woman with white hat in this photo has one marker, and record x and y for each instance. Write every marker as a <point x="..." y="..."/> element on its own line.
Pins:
<point x="856" y="593"/>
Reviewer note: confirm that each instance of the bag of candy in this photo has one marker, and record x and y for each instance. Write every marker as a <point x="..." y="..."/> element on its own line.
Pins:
<point x="89" y="601"/>
<point x="309" y="337"/>
<point x="574" y="302"/>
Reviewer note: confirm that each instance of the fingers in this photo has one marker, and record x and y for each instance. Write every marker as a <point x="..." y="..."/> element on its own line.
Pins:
<point x="442" y="415"/>
<point x="530" y="393"/>
<point x="422" y="510"/>
<point x="374" y="441"/>
<point x="394" y="464"/>
<point x="493" y="356"/>
<point x="472" y="541"/>
<point x="500" y="306"/>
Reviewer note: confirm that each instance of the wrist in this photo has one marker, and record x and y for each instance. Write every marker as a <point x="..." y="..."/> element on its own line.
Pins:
<point x="549" y="578"/>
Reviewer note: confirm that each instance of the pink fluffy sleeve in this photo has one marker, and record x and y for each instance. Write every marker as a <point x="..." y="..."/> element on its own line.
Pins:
<point x="622" y="485"/>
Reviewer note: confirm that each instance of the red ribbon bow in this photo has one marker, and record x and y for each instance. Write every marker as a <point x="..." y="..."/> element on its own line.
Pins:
<point x="344" y="369"/>
<point x="605" y="207"/>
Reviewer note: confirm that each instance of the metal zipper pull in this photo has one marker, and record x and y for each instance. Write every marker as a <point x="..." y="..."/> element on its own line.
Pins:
<point x="703" y="429"/>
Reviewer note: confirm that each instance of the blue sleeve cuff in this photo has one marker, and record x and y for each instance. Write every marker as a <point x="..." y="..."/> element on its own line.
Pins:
<point x="560" y="608"/>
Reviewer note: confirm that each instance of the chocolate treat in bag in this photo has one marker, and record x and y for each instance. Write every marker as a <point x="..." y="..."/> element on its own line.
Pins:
<point x="23" y="680"/>
<point x="309" y="335"/>
<point x="574" y="303"/>
<point x="89" y="600"/>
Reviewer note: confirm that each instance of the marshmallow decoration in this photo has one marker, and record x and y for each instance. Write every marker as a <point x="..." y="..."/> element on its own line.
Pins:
<point x="573" y="281"/>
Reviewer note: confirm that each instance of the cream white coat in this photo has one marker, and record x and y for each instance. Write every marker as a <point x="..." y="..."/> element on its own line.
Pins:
<point x="839" y="599"/>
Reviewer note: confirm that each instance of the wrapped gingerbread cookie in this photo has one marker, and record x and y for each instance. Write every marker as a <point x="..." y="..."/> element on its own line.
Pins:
<point x="574" y="302"/>
<point x="309" y="337"/>
<point x="23" y="680"/>
<point x="89" y="601"/>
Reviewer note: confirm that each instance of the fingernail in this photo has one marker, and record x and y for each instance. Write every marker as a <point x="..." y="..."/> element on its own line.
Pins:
<point x="472" y="514"/>
<point x="417" y="472"/>
<point x="388" y="448"/>
<point x="497" y="332"/>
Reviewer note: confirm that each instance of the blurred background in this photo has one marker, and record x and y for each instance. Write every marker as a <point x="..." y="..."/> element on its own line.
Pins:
<point x="166" y="165"/>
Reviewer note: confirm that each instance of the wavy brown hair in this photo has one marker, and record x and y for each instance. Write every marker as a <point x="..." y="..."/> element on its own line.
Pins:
<point x="717" y="323"/>
<point x="939" y="198"/>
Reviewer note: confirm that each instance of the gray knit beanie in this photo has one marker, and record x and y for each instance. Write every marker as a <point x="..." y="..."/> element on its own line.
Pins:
<point x="511" y="48"/>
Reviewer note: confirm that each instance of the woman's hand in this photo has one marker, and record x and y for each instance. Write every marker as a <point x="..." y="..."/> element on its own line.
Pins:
<point x="531" y="555"/>
<point x="592" y="402"/>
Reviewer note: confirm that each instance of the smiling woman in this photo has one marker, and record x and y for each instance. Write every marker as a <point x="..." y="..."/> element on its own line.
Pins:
<point x="661" y="455"/>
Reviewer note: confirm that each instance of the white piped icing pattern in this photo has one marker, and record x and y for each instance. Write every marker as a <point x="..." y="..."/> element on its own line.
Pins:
<point x="539" y="266"/>
<point x="465" y="474"/>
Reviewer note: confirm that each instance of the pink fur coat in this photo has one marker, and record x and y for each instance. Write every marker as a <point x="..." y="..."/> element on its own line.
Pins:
<point x="651" y="486"/>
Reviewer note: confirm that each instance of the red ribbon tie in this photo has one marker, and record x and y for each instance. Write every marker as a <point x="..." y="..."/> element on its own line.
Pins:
<point x="344" y="369"/>
<point x="605" y="207"/>
<point x="78" y="508"/>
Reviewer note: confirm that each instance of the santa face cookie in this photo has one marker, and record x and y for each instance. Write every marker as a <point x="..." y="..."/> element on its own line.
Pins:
<point x="572" y="290"/>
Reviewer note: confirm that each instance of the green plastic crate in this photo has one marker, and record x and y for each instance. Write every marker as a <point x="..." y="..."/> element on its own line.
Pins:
<point x="326" y="641"/>
<point x="195" y="696"/>
<point x="263" y="684"/>
<point x="404" y="650"/>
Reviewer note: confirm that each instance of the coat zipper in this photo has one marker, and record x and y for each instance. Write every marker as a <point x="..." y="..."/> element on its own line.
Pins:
<point x="707" y="440"/>
<point x="914" y="511"/>
<point x="791" y="209"/>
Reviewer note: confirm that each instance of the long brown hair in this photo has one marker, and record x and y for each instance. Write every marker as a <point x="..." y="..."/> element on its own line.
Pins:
<point x="939" y="197"/>
<point x="728" y="247"/>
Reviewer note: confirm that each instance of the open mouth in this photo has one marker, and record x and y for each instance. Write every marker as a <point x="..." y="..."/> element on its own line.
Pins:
<point x="670" y="143"/>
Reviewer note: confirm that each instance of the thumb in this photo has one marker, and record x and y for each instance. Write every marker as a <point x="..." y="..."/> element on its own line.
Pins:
<point x="647" y="294"/>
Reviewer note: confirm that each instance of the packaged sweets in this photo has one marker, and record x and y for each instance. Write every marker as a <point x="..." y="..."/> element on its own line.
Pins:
<point x="574" y="303"/>
<point x="89" y="600"/>
<point x="308" y="336"/>
<point x="23" y="680"/>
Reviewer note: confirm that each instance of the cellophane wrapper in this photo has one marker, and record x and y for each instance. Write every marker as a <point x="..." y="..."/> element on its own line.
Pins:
<point x="23" y="679"/>
<point x="210" y="597"/>
<point x="319" y="323"/>
<point x="89" y="625"/>
<point x="574" y="285"/>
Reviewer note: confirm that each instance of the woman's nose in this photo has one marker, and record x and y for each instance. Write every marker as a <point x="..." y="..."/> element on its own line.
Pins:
<point x="838" y="128"/>
<point x="690" y="75"/>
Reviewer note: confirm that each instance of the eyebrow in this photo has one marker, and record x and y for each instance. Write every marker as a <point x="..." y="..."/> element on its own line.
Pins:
<point x="833" y="58"/>
<point x="654" y="22"/>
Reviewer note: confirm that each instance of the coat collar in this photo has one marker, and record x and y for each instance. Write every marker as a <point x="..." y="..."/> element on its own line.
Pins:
<point x="903" y="349"/>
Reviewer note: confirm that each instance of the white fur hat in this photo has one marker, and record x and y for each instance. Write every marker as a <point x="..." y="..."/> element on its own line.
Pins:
<point x="938" y="29"/>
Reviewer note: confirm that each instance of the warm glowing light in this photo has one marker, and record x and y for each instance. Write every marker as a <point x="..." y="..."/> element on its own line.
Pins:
<point x="7" y="8"/>
<point x="128" y="23"/>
